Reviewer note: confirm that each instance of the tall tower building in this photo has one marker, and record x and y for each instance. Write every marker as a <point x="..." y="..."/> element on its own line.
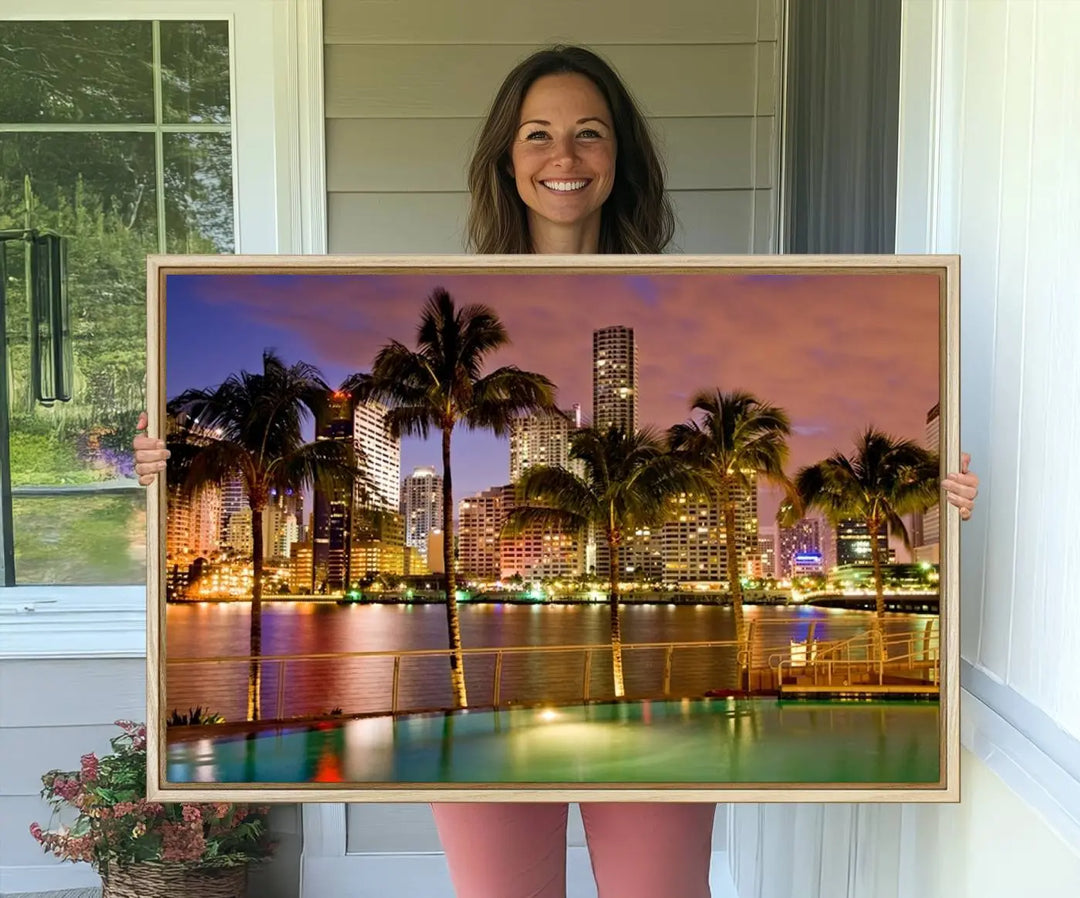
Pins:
<point x="421" y="506"/>
<point x="695" y="539"/>
<point x="615" y="379"/>
<point x="801" y="539"/>
<point x="543" y="439"/>
<point x="380" y="455"/>
<point x="194" y="522"/>
<point x="234" y="501"/>
<point x="332" y="514"/>
<point x="482" y="517"/>
<point x="927" y="546"/>
<point x="853" y="544"/>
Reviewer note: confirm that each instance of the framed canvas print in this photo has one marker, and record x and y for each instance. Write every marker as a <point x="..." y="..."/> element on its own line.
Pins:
<point x="545" y="528"/>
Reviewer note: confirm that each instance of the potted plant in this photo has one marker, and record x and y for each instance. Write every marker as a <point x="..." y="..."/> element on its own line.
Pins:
<point x="140" y="847"/>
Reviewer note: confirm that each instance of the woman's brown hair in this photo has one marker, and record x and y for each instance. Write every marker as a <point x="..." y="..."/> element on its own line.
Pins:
<point x="637" y="216"/>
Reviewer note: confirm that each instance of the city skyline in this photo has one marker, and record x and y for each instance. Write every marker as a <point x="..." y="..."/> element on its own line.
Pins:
<point x="839" y="352"/>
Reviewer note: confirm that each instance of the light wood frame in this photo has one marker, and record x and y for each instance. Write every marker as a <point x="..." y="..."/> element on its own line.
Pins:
<point x="945" y="267"/>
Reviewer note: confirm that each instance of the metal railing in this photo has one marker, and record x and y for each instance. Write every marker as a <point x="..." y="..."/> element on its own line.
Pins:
<point x="282" y="664"/>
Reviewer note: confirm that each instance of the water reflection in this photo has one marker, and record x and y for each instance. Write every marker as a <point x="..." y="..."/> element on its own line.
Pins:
<point x="363" y="685"/>
<point x="706" y="741"/>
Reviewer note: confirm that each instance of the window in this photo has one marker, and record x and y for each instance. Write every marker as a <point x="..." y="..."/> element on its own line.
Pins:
<point x="118" y="136"/>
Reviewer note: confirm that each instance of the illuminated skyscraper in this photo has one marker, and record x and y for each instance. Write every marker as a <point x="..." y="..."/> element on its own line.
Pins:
<point x="421" y="506"/>
<point x="927" y="546"/>
<point x="615" y="379"/>
<point x="853" y="544"/>
<point x="803" y="538"/>
<point x="543" y="439"/>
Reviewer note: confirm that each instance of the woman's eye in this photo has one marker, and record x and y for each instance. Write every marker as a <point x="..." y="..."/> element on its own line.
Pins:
<point x="536" y="135"/>
<point x="589" y="132"/>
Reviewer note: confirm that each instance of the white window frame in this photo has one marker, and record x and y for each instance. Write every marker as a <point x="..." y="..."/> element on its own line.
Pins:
<point x="279" y="176"/>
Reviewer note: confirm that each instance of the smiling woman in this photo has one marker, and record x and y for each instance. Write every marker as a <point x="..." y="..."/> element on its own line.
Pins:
<point x="562" y="117"/>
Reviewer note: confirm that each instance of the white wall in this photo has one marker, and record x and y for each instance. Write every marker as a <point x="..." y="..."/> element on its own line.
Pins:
<point x="407" y="85"/>
<point x="990" y="137"/>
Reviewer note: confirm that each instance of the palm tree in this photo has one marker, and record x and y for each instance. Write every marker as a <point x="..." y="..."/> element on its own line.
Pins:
<point x="737" y="439"/>
<point x="884" y="479"/>
<point x="250" y="427"/>
<point x="627" y="482"/>
<point x="441" y="385"/>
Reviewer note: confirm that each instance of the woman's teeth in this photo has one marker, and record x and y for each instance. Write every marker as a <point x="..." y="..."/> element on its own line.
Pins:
<point x="564" y="186"/>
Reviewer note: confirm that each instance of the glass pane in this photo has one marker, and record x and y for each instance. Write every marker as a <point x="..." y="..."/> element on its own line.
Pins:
<point x="99" y="191"/>
<point x="76" y="72"/>
<point x="198" y="193"/>
<point x="195" y="72"/>
<point x="82" y="538"/>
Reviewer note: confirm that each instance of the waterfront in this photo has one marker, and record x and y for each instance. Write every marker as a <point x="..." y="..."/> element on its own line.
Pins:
<point x="363" y="684"/>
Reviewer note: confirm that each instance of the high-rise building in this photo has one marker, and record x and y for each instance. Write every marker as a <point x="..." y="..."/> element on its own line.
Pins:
<point x="615" y="379"/>
<point x="694" y="537"/>
<point x="281" y="522"/>
<point x="853" y="544"/>
<point x="543" y="439"/>
<point x="766" y="555"/>
<point x="927" y="547"/>
<point x="421" y="506"/>
<point x="234" y="500"/>
<point x="193" y="525"/>
<point x="481" y="519"/>
<point x="380" y="456"/>
<point x="332" y="518"/>
<point x="801" y="539"/>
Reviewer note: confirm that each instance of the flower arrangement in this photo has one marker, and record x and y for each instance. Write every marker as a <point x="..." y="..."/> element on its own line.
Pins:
<point x="117" y="827"/>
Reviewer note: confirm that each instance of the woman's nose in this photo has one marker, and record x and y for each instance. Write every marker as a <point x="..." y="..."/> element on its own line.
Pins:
<point x="564" y="149"/>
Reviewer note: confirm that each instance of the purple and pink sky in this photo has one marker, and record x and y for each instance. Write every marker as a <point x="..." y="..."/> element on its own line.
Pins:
<point x="837" y="351"/>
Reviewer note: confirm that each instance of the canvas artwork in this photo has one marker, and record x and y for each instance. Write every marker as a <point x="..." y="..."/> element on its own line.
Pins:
<point x="506" y="528"/>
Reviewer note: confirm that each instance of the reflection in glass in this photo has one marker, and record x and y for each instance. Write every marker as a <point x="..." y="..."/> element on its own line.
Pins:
<point x="100" y="72"/>
<point x="195" y="72"/>
<point x="198" y="193"/>
<point x="81" y="538"/>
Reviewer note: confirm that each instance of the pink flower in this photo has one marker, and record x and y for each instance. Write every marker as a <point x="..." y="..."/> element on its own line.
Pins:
<point x="123" y="808"/>
<point x="192" y="814"/>
<point x="36" y="832"/>
<point x="89" y="767"/>
<point x="180" y="842"/>
<point x="66" y="788"/>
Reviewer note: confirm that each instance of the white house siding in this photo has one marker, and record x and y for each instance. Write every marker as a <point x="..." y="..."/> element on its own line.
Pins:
<point x="407" y="85"/>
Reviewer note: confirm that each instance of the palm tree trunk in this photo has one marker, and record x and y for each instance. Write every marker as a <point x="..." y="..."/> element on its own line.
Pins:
<point x="734" y="581"/>
<point x="872" y="527"/>
<point x="255" y="670"/>
<point x="616" y="627"/>
<point x="453" y="622"/>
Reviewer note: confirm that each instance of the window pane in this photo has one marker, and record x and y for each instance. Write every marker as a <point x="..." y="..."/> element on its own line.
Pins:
<point x="195" y="72"/>
<point x="198" y="193"/>
<point x="76" y="72"/>
<point x="99" y="191"/>
<point x="81" y="539"/>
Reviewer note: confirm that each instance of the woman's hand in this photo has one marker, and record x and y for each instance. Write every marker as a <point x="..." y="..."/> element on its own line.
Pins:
<point x="961" y="489"/>
<point x="150" y="454"/>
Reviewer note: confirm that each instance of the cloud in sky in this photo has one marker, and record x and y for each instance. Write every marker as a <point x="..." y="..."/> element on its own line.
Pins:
<point x="837" y="351"/>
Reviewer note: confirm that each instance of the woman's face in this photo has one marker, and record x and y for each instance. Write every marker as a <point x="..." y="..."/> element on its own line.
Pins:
<point x="563" y="154"/>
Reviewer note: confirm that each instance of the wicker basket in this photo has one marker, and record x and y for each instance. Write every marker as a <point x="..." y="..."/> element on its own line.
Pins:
<point x="166" y="880"/>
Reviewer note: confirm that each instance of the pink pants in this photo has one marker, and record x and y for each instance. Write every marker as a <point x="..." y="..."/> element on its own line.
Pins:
<point x="643" y="850"/>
